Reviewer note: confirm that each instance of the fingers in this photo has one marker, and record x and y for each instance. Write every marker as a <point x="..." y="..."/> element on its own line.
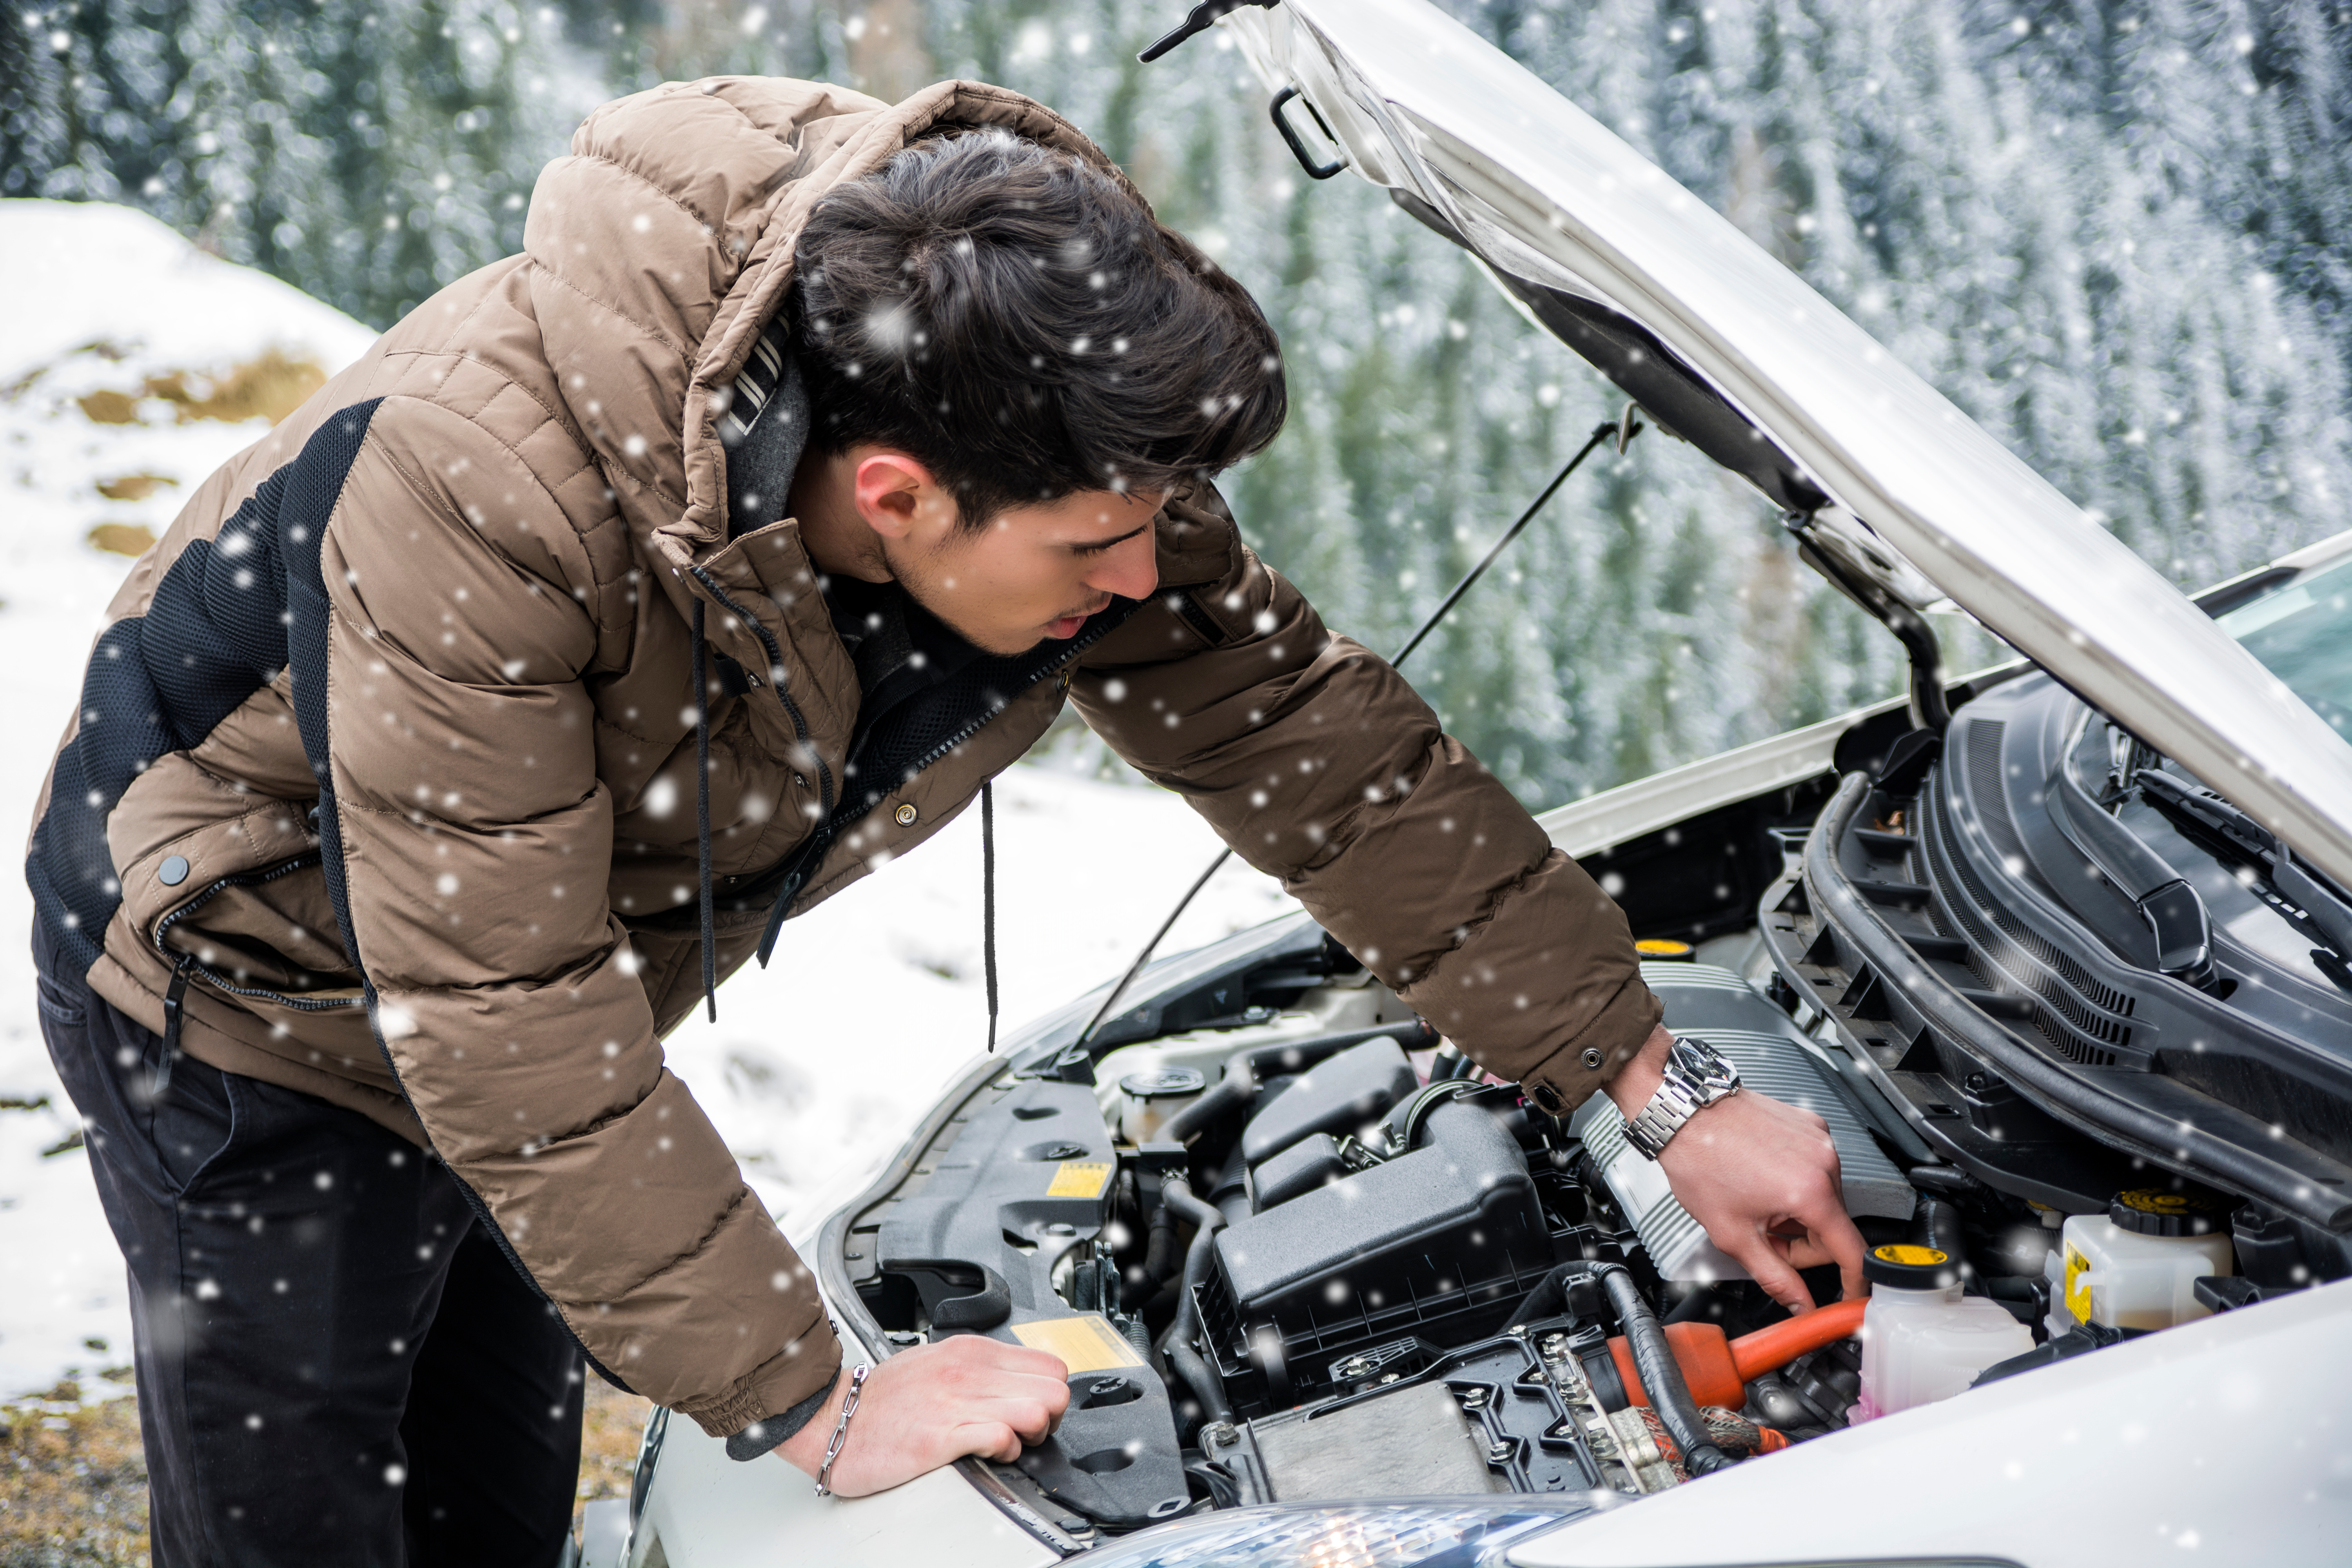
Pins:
<point x="1771" y="1273"/>
<point x="1836" y="1235"/>
<point x="978" y="1353"/>
<point x="987" y="1440"/>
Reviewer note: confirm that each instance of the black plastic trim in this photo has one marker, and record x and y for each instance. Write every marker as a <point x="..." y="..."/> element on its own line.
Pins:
<point x="2070" y="1097"/>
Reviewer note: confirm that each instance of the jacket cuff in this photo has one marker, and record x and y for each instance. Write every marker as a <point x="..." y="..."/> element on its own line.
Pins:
<point x="780" y="1384"/>
<point x="1597" y="1053"/>
<point x="762" y="1435"/>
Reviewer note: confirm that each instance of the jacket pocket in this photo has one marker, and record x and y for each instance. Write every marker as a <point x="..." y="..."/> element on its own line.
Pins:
<point x="239" y="900"/>
<point x="264" y="935"/>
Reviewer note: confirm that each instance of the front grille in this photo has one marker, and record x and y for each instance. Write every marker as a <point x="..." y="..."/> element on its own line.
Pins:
<point x="2082" y="1019"/>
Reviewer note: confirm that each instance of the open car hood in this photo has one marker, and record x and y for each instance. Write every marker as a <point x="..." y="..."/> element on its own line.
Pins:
<point x="1733" y="351"/>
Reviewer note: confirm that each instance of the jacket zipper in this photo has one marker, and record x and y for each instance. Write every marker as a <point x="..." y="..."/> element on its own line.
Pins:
<point x="185" y="963"/>
<point x="974" y="726"/>
<point x="813" y="848"/>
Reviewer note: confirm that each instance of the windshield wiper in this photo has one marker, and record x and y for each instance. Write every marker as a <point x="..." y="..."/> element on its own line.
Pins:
<point x="2320" y="912"/>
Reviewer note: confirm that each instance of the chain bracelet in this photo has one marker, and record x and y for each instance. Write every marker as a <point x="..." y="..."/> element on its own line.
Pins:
<point x="841" y="1429"/>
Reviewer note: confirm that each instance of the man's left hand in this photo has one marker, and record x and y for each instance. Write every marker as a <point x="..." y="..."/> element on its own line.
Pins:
<point x="1759" y="1175"/>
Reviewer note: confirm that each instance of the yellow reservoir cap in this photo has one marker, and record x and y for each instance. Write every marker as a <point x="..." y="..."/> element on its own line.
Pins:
<point x="1907" y="1266"/>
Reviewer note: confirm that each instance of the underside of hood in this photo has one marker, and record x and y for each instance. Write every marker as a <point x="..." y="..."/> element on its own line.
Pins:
<point x="1894" y="490"/>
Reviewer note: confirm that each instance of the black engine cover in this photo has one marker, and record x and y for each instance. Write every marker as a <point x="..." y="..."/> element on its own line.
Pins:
<point x="1425" y="1243"/>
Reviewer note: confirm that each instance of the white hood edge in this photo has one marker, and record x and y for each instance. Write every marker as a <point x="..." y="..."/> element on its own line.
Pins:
<point x="1424" y="105"/>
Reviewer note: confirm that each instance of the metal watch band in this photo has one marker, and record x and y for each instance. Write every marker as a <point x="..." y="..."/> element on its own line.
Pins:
<point x="841" y="1430"/>
<point x="1695" y="1077"/>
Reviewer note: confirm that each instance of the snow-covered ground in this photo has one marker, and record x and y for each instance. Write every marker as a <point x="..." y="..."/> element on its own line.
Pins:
<point x="818" y="1061"/>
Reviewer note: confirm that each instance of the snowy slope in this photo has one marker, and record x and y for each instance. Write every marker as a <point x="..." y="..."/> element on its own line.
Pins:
<point x="821" y="1059"/>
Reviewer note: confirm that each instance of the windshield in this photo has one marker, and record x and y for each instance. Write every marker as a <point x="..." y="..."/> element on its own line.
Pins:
<point x="2303" y="635"/>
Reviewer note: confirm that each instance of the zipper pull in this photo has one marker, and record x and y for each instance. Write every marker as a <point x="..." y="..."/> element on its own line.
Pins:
<point x="174" y="1001"/>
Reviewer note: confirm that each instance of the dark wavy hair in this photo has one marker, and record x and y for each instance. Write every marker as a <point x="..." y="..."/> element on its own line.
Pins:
<point x="1016" y="321"/>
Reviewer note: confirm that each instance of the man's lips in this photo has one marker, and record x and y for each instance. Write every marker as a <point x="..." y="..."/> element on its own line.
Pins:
<point x="1067" y="627"/>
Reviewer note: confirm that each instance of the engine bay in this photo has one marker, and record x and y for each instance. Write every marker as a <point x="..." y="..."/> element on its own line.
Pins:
<point x="1293" y="1256"/>
<point x="1293" y="1246"/>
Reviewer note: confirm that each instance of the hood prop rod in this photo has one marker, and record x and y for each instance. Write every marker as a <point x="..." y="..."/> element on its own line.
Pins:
<point x="1931" y="709"/>
<point x="1618" y="432"/>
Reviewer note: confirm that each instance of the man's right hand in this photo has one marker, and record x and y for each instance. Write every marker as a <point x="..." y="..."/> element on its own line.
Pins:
<point x="1759" y="1176"/>
<point x="931" y="1405"/>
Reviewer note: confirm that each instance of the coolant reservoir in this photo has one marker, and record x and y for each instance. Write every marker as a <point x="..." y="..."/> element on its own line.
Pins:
<point x="1153" y="1096"/>
<point x="2137" y="1266"/>
<point x="1921" y="1340"/>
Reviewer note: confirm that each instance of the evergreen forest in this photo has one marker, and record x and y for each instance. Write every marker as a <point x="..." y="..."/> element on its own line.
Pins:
<point x="2117" y="233"/>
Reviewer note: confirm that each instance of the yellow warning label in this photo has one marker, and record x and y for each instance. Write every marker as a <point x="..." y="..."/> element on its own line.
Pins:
<point x="1083" y="1343"/>
<point x="1079" y="1179"/>
<point x="2078" y="1297"/>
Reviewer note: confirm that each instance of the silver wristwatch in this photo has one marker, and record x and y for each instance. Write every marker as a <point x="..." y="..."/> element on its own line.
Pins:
<point x="1697" y="1076"/>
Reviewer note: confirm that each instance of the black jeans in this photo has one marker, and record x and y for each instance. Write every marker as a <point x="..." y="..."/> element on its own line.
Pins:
<point x="337" y="1362"/>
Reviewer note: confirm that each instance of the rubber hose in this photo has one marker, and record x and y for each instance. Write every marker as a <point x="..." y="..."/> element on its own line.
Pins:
<point x="1939" y="1228"/>
<point x="1662" y="1375"/>
<point x="1159" y="1260"/>
<point x="1160" y="1248"/>
<point x="1177" y="1342"/>
<point x="1228" y="1093"/>
<point x="1547" y="1296"/>
<point x="1296" y="1056"/>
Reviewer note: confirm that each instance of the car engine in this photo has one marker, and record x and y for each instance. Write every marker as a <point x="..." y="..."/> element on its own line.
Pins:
<point x="1304" y="1252"/>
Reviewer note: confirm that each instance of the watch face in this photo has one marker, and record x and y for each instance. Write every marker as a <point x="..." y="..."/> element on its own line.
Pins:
<point x="1705" y="1067"/>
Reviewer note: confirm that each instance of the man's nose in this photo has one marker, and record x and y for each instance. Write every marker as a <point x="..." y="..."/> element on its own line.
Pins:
<point x="1130" y="569"/>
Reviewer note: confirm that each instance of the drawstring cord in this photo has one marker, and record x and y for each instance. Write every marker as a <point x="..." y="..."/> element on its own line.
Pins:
<point x="988" y="900"/>
<point x="702" y="816"/>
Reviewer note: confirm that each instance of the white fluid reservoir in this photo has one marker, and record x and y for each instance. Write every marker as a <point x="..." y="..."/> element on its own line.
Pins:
<point x="2137" y="1266"/>
<point x="1922" y="1340"/>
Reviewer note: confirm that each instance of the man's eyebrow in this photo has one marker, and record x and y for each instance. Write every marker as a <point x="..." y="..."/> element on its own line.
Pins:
<point x="1094" y="547"/>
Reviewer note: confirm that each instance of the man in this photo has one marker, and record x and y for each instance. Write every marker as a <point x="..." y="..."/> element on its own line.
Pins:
<point x="629" y="595"/>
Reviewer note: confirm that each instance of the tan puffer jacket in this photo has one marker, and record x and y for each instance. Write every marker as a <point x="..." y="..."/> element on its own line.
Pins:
<point x="387" y="757"/>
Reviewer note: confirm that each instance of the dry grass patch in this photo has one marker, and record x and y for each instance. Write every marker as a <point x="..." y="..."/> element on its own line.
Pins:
<point x="73" y="1481"/>
<point x="269" y="387"/>
<point x="134" y="487"/>
<point x="131" y="538"/>
<point x="608" y="1443"/>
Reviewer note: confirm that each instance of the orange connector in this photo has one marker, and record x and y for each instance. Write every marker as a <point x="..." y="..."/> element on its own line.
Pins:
<point x="1718" y="1368"/>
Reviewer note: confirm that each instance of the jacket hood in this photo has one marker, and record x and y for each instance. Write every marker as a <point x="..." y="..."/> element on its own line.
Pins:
<point x="662" y="243"/>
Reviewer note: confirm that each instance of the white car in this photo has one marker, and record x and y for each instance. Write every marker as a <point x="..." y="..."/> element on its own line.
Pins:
<point x="2062" y="951"/>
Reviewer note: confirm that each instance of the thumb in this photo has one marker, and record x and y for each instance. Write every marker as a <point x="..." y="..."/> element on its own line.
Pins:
<point x="1773" y="1275"/>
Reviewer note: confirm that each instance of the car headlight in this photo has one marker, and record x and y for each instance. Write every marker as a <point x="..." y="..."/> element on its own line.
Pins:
<point x="1350" y="1535"/>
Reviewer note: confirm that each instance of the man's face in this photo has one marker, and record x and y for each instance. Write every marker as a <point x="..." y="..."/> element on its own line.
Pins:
<point x="1029" y="575"/>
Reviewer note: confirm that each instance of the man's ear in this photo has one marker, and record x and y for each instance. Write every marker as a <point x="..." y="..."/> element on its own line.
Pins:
<point x="893" y="491"/>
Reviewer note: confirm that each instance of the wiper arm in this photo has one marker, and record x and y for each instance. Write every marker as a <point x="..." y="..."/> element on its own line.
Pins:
<point x="2243" y="836"/>
<point x="2314" y="905"/>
